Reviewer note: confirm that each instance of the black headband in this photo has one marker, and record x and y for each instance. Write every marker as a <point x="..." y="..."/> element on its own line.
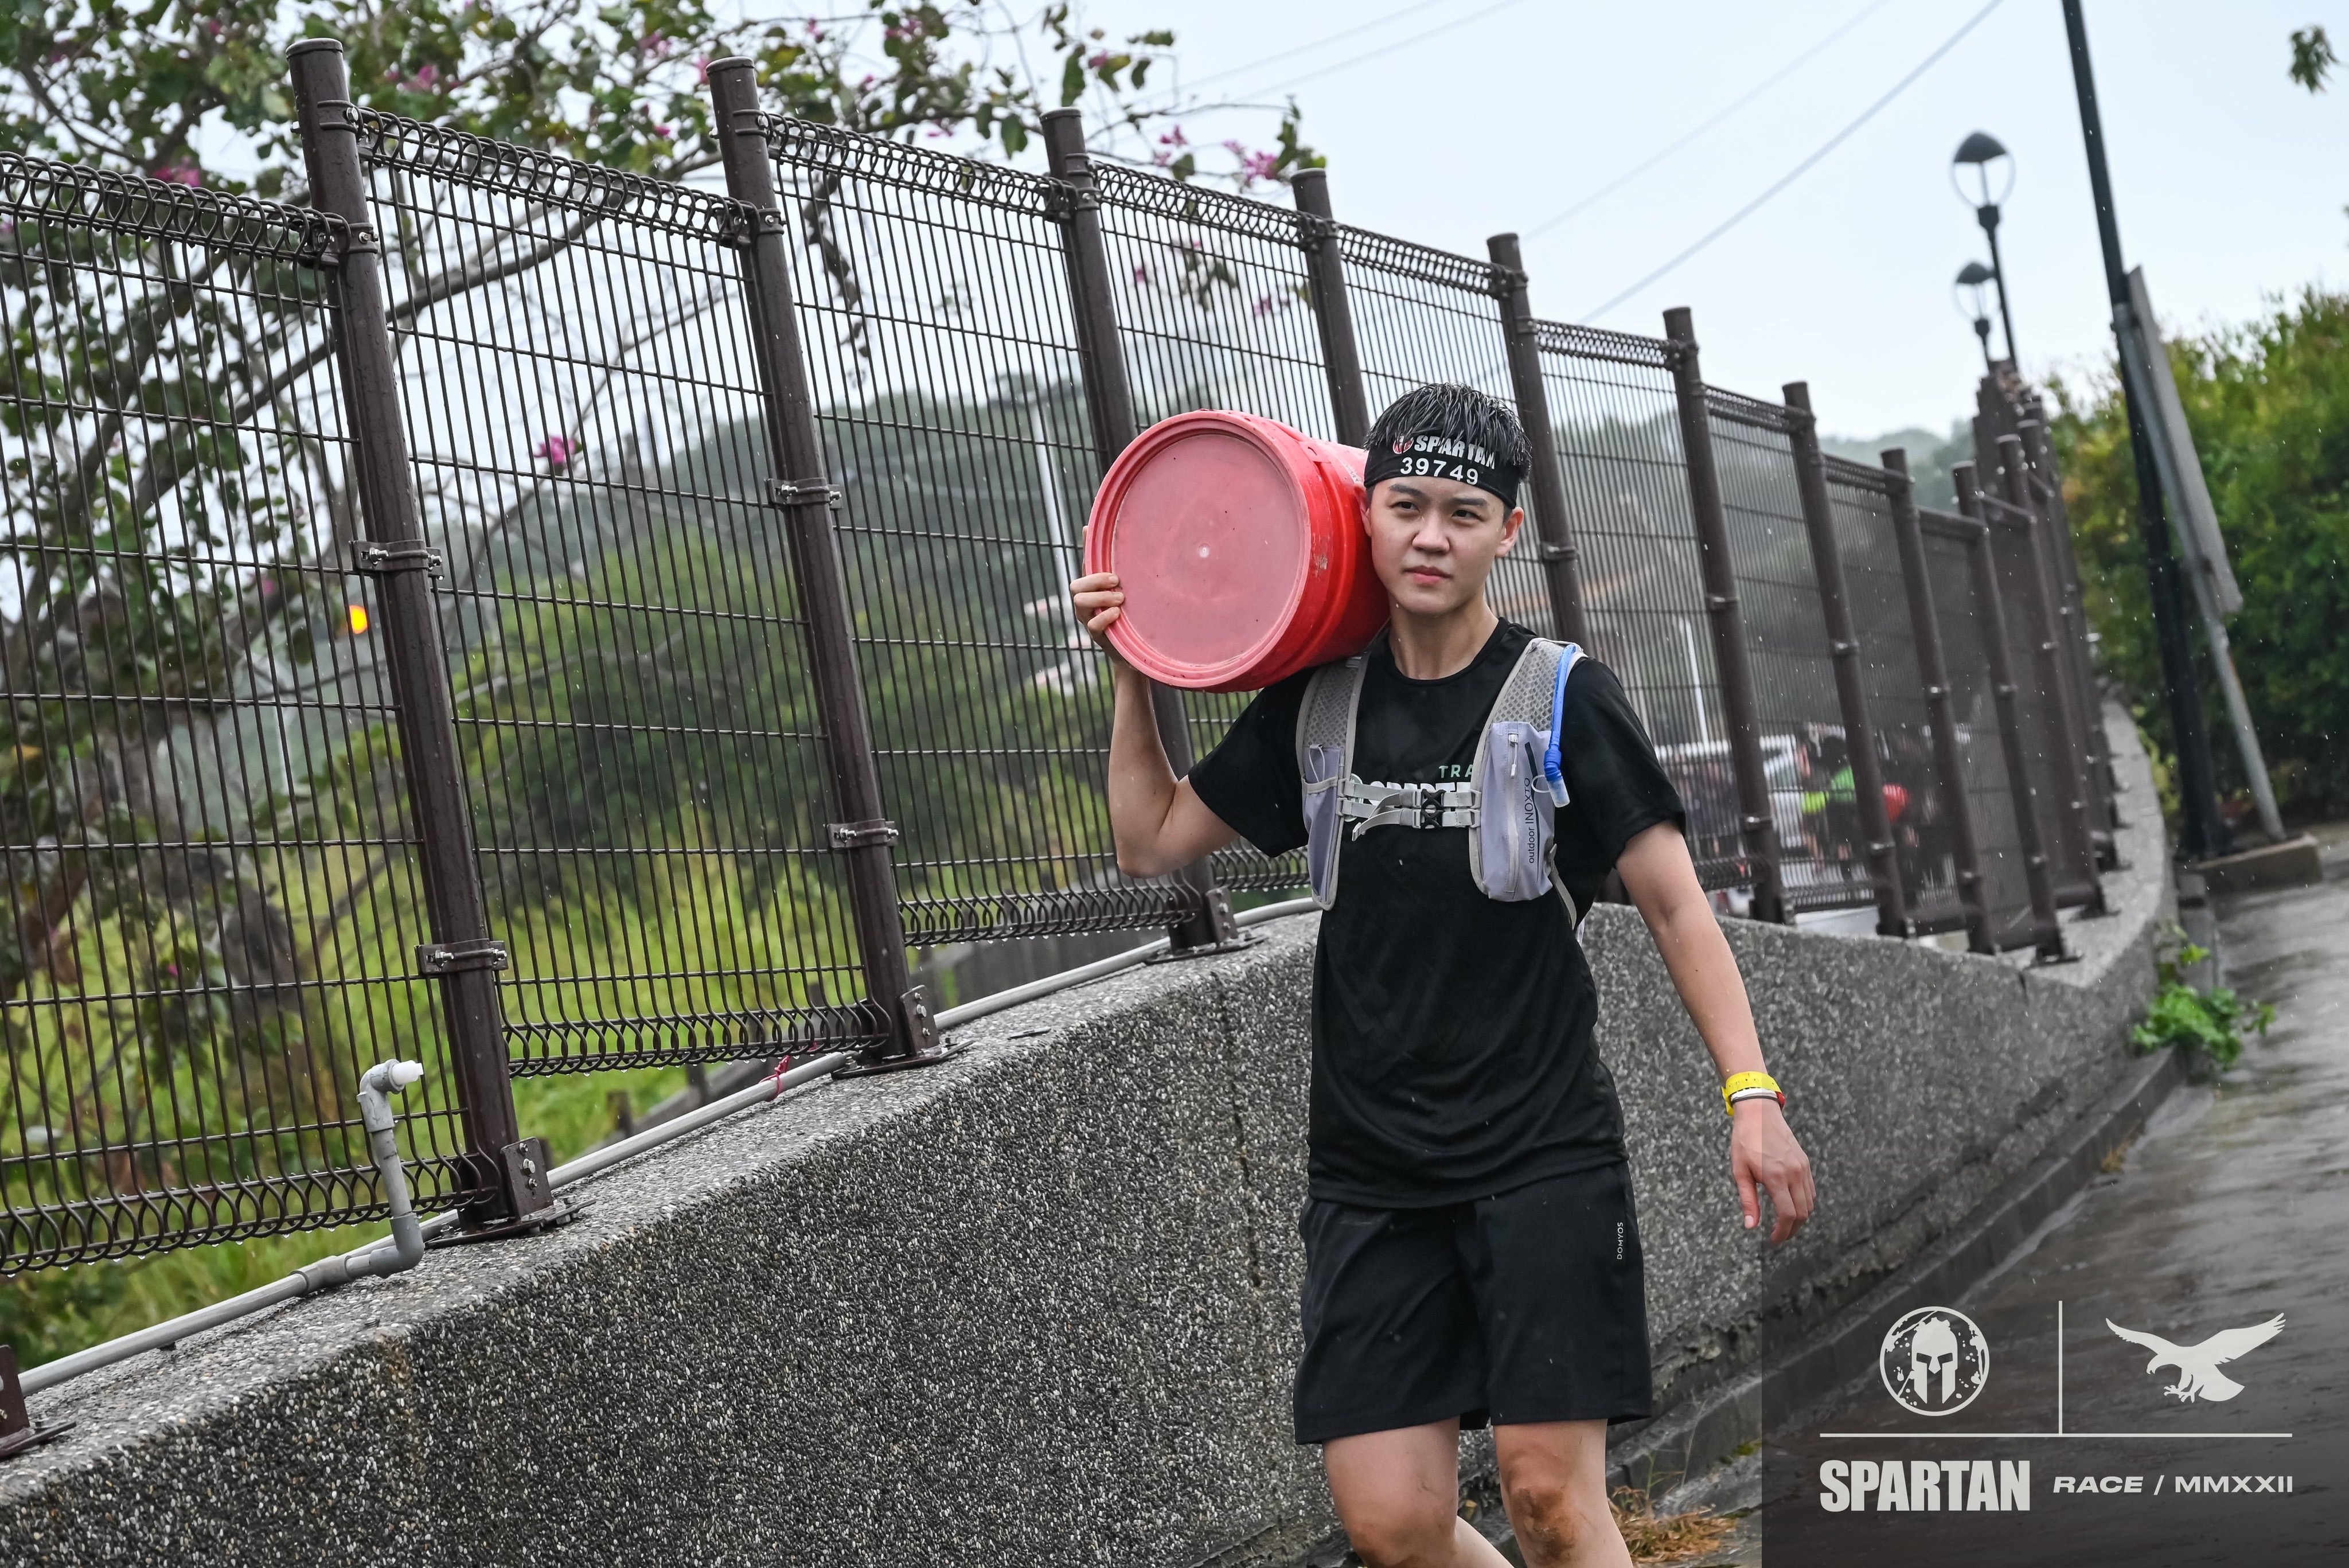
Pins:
<point x="1441" y="457"/>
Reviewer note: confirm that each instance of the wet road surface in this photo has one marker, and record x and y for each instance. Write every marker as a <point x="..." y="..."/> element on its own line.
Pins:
<point x="2232" y="1207"/>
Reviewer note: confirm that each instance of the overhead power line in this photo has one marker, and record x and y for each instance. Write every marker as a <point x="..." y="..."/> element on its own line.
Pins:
<point x="1369" y="55"/>
<point x="1799" y="169"/>
<point x="1781" y="74"/>
<point x="1357" y="30"/>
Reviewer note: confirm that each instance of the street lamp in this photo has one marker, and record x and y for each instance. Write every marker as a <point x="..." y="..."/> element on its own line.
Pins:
<point x="1973" y="304"/>
<point x="1972" y="162"/>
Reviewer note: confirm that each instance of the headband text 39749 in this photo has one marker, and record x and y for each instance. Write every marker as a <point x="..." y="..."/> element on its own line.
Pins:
<point x="1441" y="457"/>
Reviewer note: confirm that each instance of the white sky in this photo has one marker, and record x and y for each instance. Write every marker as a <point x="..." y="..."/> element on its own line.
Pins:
<point x="2229" y="179"/>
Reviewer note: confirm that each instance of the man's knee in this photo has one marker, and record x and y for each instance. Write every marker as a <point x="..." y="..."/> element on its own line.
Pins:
<point x="1555" y="1521"/>
<point x="1401" y="1533"/>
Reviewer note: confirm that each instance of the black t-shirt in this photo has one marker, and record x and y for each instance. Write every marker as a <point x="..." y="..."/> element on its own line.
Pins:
<point x="1451" y="1032"/>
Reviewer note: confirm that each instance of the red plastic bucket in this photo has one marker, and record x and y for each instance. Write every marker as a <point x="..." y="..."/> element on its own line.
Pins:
<point x="1239" y="543"/>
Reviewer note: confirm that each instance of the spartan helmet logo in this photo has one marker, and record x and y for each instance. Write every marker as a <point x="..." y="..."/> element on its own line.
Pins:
<point x="1934" y="1360"/>
<point x="1402" y="445"/>
<point x="1934" y="1353"/>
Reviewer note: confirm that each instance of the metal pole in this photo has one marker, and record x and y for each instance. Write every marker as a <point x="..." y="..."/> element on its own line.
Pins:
<point x="1109" y="400"/>
<point x="2054" y="678"/>
<point x="1988" y="213"/>
<point x="2206" y="832"/>
<point x="508" y="1171"/>
<point x="1842" y="646"/>
<point x="807" y="498"/>
<point x="1325" y="272"/>
<point x="2047" y="486"/>
<point x="1553" y="543"/>
<point x="1757" y="827"/>
<point x="2047" y="931"/>
<point x="2059" y="572"/>
<point x="1949" y="764"/>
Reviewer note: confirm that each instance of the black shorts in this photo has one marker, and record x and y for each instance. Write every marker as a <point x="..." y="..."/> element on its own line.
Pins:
<point x="1529" y="1305"/>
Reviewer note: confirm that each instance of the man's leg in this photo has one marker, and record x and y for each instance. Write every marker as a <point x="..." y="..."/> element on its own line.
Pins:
<point x="1554" y="1482"/>
<point x="1398" y="1494"/>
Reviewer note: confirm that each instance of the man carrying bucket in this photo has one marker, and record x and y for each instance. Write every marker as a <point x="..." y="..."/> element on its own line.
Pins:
<point x="1472" y="1253"/>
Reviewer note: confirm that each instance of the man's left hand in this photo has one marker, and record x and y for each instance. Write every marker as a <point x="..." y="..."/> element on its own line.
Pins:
<point x="1763" y="1155"/>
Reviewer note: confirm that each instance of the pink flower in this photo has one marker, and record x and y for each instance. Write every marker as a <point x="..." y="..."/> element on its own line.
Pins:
<point x="1142" y="274"/>
<point x="180" y="174"/>
<point x="425" y="77"/>
<point x="701" y="68"/>
<point x="1174" y="138"/>
<point x="1097" y="61"/>
<point x="663" y="130"/>
<point x="1265" y="306"/>
<point x="558" y="452"/>
<point x="1255" y="166"/>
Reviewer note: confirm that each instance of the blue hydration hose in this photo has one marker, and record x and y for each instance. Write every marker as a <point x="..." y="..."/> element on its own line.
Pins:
<point x="1553" y="766"/>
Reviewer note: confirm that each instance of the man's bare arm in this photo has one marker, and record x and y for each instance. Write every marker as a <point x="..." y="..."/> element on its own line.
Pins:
<point x="1155" y="819"/>
<point x="1657" y="873"/>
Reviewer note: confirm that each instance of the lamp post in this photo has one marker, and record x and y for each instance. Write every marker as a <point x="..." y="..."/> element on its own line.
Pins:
<point x="1973" y="159"/>
<point x="2206" y="832"/>
<point x="1971" y="277"/>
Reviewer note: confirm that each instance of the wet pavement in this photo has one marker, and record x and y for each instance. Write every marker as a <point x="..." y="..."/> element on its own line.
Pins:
<point x="2231" y="1210"/>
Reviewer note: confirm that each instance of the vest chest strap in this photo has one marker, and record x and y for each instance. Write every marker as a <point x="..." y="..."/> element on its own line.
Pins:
<point x="1375" y="805"/>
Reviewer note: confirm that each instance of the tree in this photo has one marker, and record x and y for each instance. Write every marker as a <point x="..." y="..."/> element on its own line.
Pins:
<point x="2269" y="405"/>
<point x="2312" y="58"/>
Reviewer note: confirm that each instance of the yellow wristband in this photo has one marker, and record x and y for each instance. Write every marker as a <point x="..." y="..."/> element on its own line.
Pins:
<point x="1739" y="1081"/>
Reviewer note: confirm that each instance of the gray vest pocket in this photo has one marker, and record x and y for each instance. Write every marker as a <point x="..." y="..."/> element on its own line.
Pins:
<point x="1514" y="817"/>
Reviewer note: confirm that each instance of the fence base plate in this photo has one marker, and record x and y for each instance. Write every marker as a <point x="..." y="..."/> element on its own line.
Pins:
<point x="928" y="1056"/>
<point x="32" y="1437"/>
<point x="1230" y="944"/>
<point x="562" y="1211"/>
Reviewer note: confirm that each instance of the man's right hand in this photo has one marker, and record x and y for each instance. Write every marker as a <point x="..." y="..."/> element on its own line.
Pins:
<point x="1099" y="601"/>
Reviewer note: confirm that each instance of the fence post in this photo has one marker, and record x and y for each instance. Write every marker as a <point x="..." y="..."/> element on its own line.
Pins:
<point x="1108" y="400"/>
<point x="1949" y="764"/>
<point x="2055" y="532"/>
<point x="461" y="954"/>
<point x="1325" y="272"/>
<point x="2053" y="669"/>
<point x="1755" y="824"/>
<point x="807" y="497"/>
<point x="1552" y="541"/>
<point x="2046" y="933"/>
<point x="1842" y="646"/>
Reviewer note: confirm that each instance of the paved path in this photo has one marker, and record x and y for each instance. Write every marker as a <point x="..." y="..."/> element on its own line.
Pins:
<point x="2232" y="1207"/>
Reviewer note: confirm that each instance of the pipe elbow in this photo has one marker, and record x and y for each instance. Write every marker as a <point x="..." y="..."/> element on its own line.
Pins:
<point x="377" y="1085"/>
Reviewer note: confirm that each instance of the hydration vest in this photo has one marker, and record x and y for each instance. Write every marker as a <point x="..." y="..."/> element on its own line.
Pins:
<point x="1509" y="803"/>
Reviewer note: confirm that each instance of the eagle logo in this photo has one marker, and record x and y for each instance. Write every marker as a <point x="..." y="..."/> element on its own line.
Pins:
<point x="2199" y="1377"/>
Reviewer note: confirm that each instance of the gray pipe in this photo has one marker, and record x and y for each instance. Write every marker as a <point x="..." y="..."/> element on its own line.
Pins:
<point x="404" y="1250"/>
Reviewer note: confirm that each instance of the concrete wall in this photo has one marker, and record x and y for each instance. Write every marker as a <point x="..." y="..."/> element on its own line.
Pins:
<point x="1035" y="1306"/>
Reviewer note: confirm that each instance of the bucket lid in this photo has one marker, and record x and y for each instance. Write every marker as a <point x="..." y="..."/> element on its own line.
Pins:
<point x="1212" y="535"/>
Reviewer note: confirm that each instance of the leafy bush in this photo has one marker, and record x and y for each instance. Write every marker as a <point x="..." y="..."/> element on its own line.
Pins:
<point x="2269" y="404"/>
<point x="2209" y="1023"/>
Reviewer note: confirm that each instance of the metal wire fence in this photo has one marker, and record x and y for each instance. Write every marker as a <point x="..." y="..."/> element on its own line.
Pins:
<point x="1814" y="810"/>
<point x="1923" y="837"/>
<point x="202" y="813"/>
<point x="1988" y="797"/>
<point x="633" y="706"/>
<point x="652" y="714"/>
<point x="1614" y="425"/>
